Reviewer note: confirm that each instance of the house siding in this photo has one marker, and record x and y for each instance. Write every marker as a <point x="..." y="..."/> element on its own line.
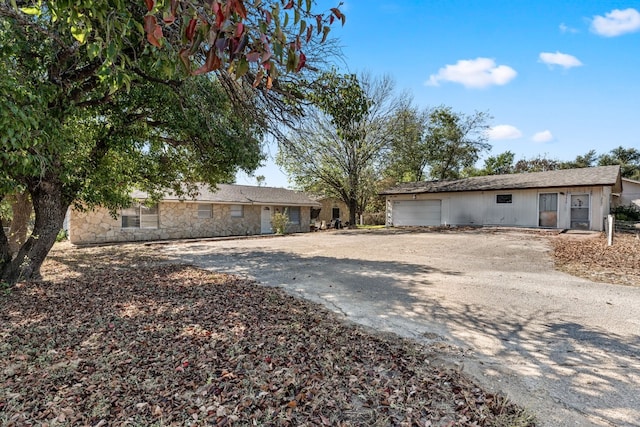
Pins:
<point x="480" y="207"/>
<point x="176" y="220"/>
<point x="630" y="193"/>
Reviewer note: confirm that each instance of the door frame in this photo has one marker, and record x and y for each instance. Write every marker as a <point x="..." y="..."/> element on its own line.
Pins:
<point x="265" y="227"/>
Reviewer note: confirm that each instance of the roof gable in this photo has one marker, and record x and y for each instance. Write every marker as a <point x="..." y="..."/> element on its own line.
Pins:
<point x="603" y="175"/>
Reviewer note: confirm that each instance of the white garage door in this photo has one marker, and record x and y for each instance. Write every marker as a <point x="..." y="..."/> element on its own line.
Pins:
<point x="416" y="212"/>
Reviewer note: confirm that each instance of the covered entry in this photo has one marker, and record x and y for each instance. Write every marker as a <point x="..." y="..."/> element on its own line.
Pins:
<point x="416" y="212"/>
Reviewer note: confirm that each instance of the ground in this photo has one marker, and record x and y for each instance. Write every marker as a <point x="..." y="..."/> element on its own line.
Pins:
<point x="590" y="257"/>
<point x="123" y="334"/>
<point x="116" y="337"/>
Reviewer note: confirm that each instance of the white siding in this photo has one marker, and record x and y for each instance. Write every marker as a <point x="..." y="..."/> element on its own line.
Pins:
<point x="481" y="207"/>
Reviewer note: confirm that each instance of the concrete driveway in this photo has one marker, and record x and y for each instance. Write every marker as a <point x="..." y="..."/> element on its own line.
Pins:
<point x="566" y="348"/>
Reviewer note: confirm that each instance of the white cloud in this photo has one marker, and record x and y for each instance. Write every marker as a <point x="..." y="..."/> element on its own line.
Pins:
<point x="561" y="59"/>
<point x="544" y="136"/>
<point x="474" y="73"/>
<point x="503" y="132"/>
<point x="616" y="22"/>
<point x="566" y="29"/>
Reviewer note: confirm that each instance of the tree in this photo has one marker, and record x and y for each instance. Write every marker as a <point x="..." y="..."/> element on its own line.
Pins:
<point x="587" y="160"/>
<point x="501" y="164"/>
<point x="536" y="164"/>
<point x="408" y="153"/>
<point x="627" y="158"/>
<point x="336" y="149"/>
<point x="455" y="141"/>
<point x="88" y="110"/>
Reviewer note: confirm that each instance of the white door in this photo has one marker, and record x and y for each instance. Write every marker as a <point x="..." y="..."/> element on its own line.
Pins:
<point x="265" y="220"/>
<point x="416" y="212"/>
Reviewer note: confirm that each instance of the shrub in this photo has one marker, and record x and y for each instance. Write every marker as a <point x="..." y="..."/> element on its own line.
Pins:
<point x="626" y="213"/>
<point x="280" y="221"/>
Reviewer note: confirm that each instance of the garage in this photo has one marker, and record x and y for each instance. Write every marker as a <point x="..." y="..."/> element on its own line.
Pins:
<point x="416" y="212"/>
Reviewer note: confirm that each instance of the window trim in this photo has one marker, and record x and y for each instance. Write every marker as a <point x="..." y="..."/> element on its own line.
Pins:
<point x="297" y="209"/>
<point x="140" y="217"/>
<point x="234" y="212"/>
<point x="205" y="210"/>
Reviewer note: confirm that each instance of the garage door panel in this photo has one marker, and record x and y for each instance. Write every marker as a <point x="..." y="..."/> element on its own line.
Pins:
<point x="417" y="212"/>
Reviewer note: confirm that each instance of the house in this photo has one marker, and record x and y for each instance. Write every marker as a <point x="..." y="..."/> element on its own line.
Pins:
<point x="331" y="208"/>
<point x="230" y="210"/>
<point x="630" y="194"/>
<point x="568" y="199"/>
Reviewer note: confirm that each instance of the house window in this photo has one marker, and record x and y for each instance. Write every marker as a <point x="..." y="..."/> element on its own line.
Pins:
<point x="294" y="215"/>
<point x="237" y="211"/>
<point x="504" y="198"/>
<point x="204" y="210"/>
<point x="140" y="216"/>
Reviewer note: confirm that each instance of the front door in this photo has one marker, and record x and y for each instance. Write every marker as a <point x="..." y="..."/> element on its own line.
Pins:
<point x="265" y="220"/>
<point x="548" y="210"/>
<point x="580" y="212"/>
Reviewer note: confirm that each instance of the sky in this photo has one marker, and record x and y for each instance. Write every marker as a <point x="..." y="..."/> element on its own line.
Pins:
<point x="558" y="77"/>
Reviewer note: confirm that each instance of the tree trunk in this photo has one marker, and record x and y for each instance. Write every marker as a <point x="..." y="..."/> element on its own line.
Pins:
<point x="5" y="253"/>
<point x="50" y="208"/>
<point x="353" y="207"/>
<point x="21" y="208"/>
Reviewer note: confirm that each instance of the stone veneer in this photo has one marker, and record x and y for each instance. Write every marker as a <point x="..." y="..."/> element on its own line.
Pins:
<point x="177" y="220"/>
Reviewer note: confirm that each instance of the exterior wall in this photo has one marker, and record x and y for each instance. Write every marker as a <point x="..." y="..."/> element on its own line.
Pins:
<point x="305" y="219"/>
<point x="480" y="207"/>
<point x="630" y="193"/>
<point x="177" y="220"/>
<point x="326" y="210"/>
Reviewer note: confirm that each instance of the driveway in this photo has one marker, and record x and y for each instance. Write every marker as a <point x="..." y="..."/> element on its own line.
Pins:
<point x="566" y="348"/>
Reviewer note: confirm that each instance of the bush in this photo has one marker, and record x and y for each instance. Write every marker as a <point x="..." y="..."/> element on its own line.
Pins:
<point x="626" y="213"/>
<point x="280" y="221"/>
<point x="62" y="236"/>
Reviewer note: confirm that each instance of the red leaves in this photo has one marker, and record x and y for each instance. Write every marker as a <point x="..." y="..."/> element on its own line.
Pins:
<point x="191" y="29"/>
<point x="150" y="4"/>
<point x="153" y="30"/>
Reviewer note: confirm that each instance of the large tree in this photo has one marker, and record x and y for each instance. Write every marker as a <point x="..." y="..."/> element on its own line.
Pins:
<point x="455" y="141"/>
<point x="337" y="147"/>
<point x="408" y="153"/>
<point x="627" y="158"/>
<point x="89" y="108"/>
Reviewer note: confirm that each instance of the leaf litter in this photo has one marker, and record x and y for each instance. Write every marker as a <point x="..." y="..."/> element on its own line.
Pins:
<point x="591" y="257"/>
<point x="118" y="336"/>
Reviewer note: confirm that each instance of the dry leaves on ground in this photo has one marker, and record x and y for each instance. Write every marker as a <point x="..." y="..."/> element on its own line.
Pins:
<point x="100" y="344"/>
<point x="592" y="259"/>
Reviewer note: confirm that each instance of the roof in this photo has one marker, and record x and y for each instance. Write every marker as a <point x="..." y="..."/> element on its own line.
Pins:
<point x="242" y="194"/>
<point x="603" y="175"/>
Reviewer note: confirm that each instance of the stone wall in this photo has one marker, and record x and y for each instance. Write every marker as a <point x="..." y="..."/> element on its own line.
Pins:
<point x="177" y="220"/>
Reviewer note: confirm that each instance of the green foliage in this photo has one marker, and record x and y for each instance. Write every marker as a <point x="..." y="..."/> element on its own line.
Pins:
<point x="627" y="158"/>
<point x="626" y="213"/>
<point x="280" y="222"/>
<point x="62" y="236"/>
<point x="336" y="149"/>
<point x="408" y="153"/>
<point x="536" y="164"/>
<point x="455" y="141"/>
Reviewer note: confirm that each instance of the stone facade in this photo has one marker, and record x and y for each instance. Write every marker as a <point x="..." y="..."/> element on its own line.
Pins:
<point x="176" y="220"/>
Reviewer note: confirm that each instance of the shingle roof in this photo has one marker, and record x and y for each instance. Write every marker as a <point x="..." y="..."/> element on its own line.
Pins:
<point x="603" y="175"/>
<point x="243" y="194"/>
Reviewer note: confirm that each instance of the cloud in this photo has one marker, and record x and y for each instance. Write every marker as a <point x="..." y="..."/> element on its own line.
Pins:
<point x="544" y="136"/>
<point x="616" y="23"/>
<point x="503" y="132"/>
<point x="561" y="59"/>
<point x="566" y="29"/>
<point x="474" y="73"/>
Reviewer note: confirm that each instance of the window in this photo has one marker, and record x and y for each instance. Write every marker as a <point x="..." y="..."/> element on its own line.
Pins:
<point x="204" y="210"/>
<point x="294" y="215"/>
<point x="504" y="198"/>
<point x="140" y="216"/>
<point x="237" y="211"/>
<point x="335" y="213"/>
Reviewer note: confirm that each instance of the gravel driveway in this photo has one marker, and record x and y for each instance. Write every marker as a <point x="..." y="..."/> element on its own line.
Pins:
<point x="566" y="348"/>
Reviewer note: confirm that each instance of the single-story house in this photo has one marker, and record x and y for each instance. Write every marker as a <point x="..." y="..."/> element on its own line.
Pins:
<point x="331" y="208"/>
<point x="567" y="199"/>
<point x="230" y="210"/>
<point x="630" y="193"/>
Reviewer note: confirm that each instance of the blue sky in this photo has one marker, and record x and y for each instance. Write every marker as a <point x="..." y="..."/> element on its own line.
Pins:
<point x="558" y="77"/>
